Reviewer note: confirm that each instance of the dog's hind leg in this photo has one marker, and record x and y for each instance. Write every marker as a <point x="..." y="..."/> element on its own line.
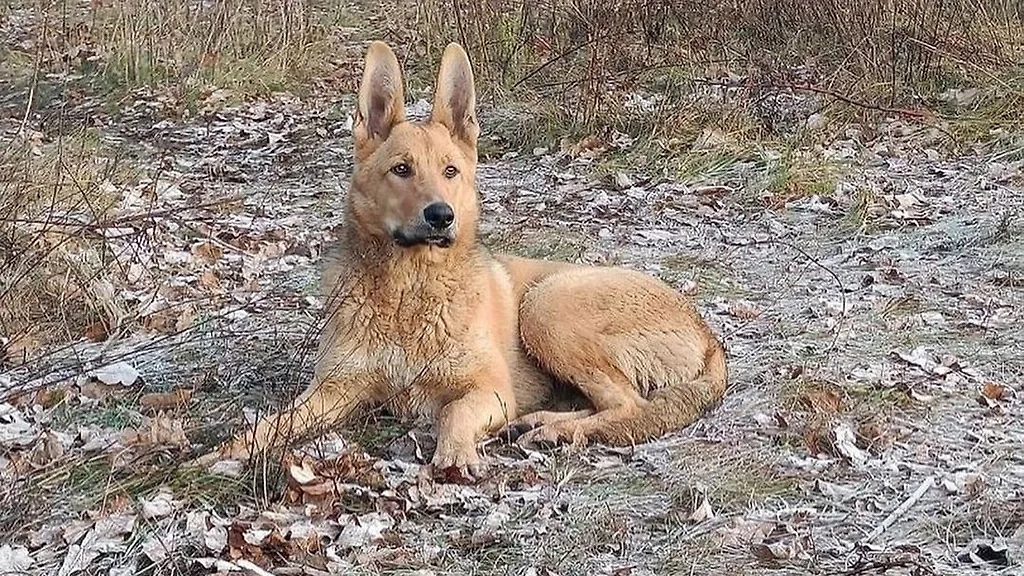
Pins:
<point x="637" y="349"/>
<point x="524" y="424"/>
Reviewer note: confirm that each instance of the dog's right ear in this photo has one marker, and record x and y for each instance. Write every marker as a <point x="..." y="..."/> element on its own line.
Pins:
<point x="381" y="100"/>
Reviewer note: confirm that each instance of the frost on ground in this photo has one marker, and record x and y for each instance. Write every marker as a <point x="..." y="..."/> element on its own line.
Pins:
<point x="873" y="329"/>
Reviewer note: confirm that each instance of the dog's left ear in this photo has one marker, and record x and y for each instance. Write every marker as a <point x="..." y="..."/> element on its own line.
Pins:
<point x="455" y="97"/>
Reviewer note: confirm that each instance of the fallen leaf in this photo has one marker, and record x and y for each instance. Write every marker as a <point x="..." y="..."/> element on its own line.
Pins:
<point x="158" y="547"/>
<point x="216" y="539"/>
<point x="743" y="532"/>
<point x="159" y="506"/>
<point x="105" y="537"/>
<point x="255" y="536"/>
<point x="209" y="280"/>
<point x="15" y="559"/>
<point x="52" y="447"/>
<point x="156" y="401"/>
<point x="846" y="444"/>
<point x="159" y="430"/>
<point x="117" y="373"/>
<point x="993" y="393"/>
<point x="821" y="401"/>
<point x="362" y="530"/>
<point x="14" y="429"/>
<point x="196" y="523"/>
<point x="487" y="532"/>
<point x="208" y="251"/>
<point x="96" y="332"/>
<point x="703" y="511"/>
<point x="302" y="474"/>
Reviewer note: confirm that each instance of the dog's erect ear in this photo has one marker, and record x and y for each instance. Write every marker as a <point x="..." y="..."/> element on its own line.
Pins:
<point x="381" y="98"/>
<point x="455" y="96"/>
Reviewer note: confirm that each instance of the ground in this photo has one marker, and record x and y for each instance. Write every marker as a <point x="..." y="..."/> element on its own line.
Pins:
<point x="867" y="287"/>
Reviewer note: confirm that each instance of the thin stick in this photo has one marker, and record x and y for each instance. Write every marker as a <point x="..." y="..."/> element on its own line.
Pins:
<point x="901" y="510"/>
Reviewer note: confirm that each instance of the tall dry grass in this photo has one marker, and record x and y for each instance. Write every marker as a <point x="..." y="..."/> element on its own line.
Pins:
<point x="581" y="56"/>
<point x="55" y="272"/>
<point x="256" y="46"/>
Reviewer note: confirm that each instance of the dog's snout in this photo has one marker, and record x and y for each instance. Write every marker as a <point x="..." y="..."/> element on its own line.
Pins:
<point x="439" y="215"/>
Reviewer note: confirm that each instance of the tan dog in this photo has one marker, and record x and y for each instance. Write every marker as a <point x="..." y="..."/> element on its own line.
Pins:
<point x="425" y="321"/>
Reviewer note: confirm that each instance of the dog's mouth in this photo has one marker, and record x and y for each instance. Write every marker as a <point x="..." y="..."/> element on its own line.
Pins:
<point x="438" y="239"/>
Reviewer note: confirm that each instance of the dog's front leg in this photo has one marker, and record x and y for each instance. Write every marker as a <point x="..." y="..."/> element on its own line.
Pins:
<point x="321" y="406"/>
<point x="487" y="406"/>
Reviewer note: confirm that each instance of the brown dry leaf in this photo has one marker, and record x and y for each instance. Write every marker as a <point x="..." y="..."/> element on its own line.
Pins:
<point x="774" y="552"/>
<point x="874" y="434"/>
<point x="993" y="391"/>
<point x="157" y="401"/>
<point x="245" y="541"/>
<point x="161" y="321"/>
<point x="817" y="436"/>
<point x="208" y="251"/>
<point x="96" y="390"/>
<point x="22" y="348"/>
<point x="50" y="449"/>
<point x="160" y="430"/>
<point x="743" y="310"/>
<point x="45" y="397"/>
<point x="185" y="319"/>
<point x="96" y="332"/>
<point x="209" y="280"/>
<point x="589" y="146"/>
<point x="821" y="401"/>
<point x="742" y="531"/>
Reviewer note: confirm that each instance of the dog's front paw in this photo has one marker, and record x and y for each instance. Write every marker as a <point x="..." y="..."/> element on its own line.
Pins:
<point x="460" y="458"/>
<point x="234" y="449"/>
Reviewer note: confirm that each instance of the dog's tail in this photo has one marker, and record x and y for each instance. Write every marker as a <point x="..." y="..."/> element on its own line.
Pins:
<point x="672" y="406"/>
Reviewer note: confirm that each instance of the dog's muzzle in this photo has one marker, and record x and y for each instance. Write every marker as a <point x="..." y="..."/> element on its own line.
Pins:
<point x="424" y="235"/>
<point x="437" y="228"/>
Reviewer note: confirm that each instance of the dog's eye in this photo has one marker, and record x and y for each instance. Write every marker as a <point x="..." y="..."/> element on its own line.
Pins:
<point x="450" y="172"/>
<point x="402" y="170"/>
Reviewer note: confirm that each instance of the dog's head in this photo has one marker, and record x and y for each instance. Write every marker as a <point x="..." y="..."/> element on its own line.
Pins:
<point x="414" y="182"/>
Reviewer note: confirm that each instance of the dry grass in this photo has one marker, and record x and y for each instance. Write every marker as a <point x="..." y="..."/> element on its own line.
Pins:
<point x="645" y="66"/>
<point x="251" y="46"/>
<point x="55" y="277"/>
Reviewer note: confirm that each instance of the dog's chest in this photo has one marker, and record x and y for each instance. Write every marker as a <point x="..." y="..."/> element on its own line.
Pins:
<point x="413" y="346"/>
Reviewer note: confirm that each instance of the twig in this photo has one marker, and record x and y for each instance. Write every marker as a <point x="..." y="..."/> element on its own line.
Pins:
<point x="858" y="103"/>
<point x="900" y="510"/>
<point x="127" y="218"/>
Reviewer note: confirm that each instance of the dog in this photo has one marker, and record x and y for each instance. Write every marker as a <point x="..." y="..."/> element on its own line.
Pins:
<point x="427" y="322"/>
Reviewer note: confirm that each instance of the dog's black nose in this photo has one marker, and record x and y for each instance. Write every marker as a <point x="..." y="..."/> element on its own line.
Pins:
<point x="439" y="215"/>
